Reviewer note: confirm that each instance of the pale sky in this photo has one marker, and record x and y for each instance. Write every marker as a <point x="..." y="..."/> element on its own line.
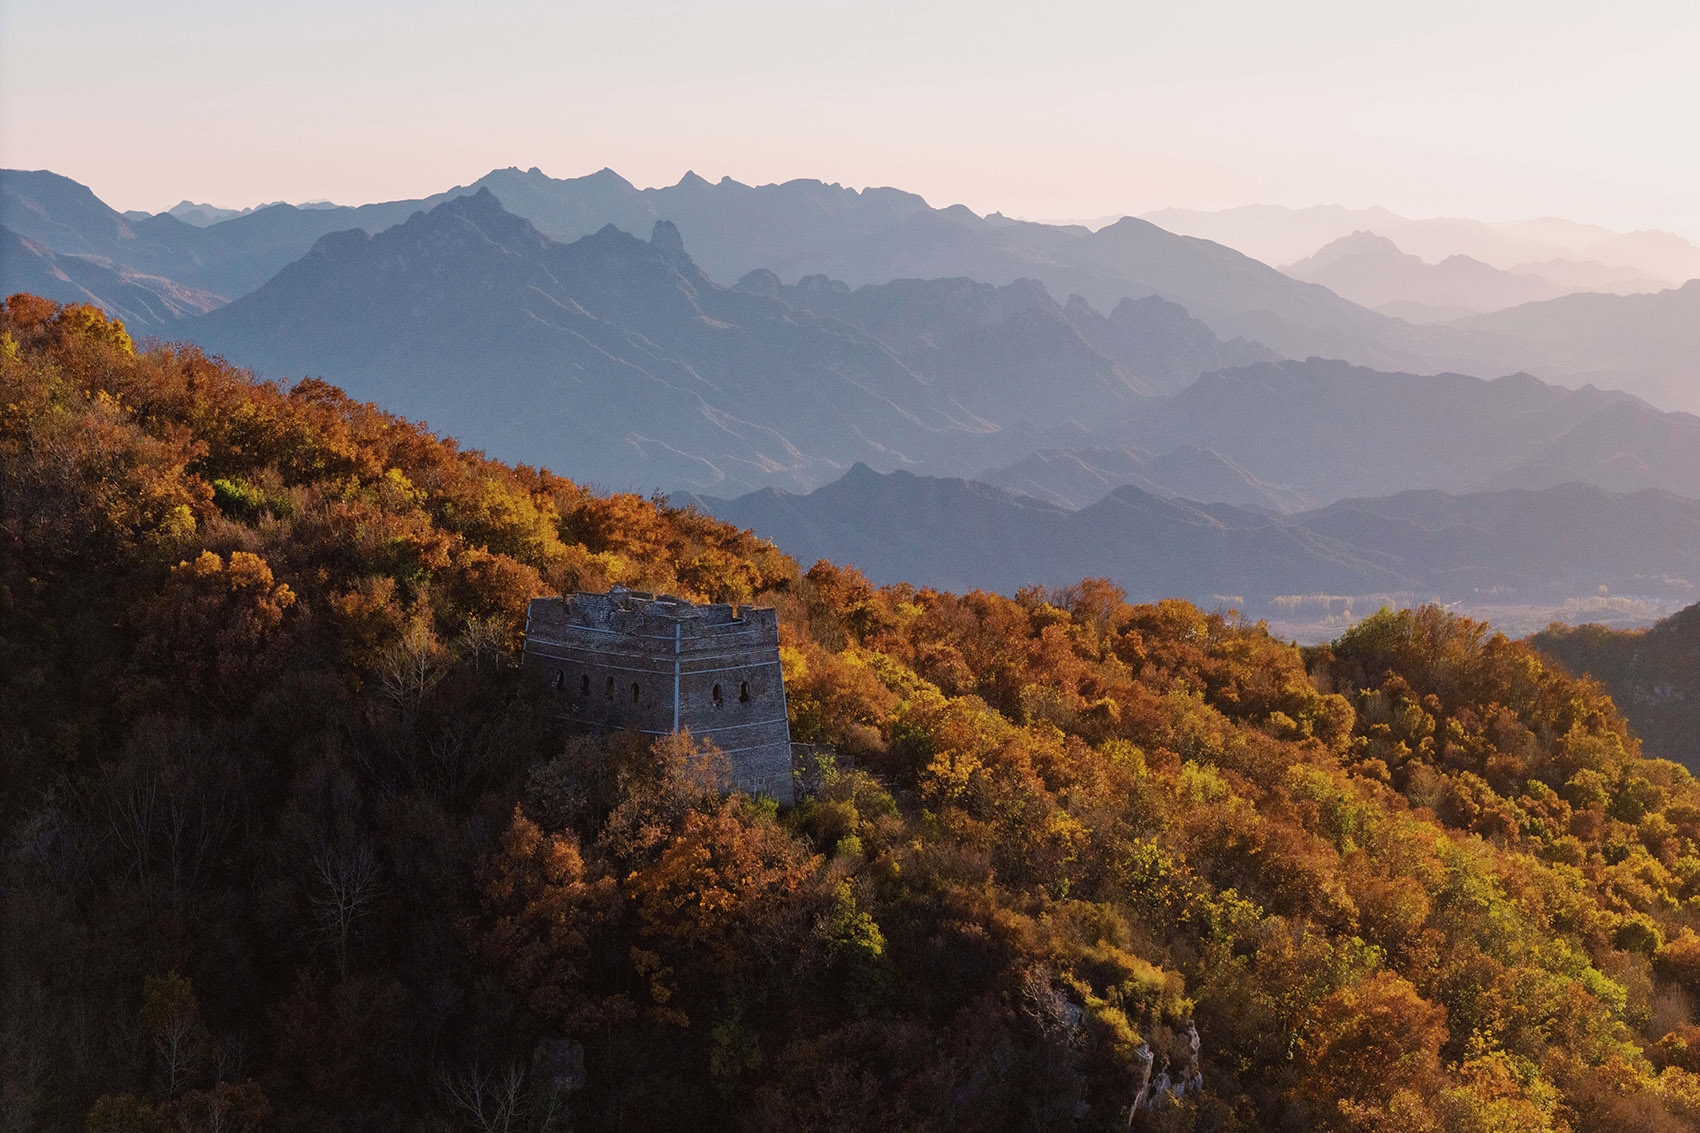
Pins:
<point x="1490" y="108"/>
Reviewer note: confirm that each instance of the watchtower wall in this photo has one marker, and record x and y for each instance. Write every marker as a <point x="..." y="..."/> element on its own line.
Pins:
<point x="629" y="659"/>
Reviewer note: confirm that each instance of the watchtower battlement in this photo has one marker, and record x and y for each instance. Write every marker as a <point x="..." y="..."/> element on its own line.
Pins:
<point x="631" y="659"/>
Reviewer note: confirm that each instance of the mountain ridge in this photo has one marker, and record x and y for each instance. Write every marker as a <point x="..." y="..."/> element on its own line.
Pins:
<point x="1276" y="234"/>
<point x="1513" y="546"/>
<point x="797" y="228"/>
<point x="946" y="373"/>
<point x="1327" y="430"/>
<point x="1373" y="271"/>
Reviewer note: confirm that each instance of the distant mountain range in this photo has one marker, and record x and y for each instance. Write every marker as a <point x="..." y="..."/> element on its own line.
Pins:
<point x="1512" y="546"/>
<point x="970" y="331"/>
<point x="142" y="301"/>
<point x="875" y="236"/>
<point x="611" y="358"/>
<point x="936" y="343"/>
<point x="1074" y="478"/>
<point x="1647" y="344"/>
<point x="617" y="360"/>
<point x="1326" y="430"/>
<point x="960" y="535"/>
<point x="1160" y="341"/>
<point x="1008" y="353"/>
<point x="795" y="229"/>
<point x="228" y="258"/>
<point x="1371" y="270"/>
<point x="1549" y="247"/>
<point x="203" y="215"/>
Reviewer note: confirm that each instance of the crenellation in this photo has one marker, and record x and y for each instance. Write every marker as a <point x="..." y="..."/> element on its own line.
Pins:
<point x="631" y="659"/>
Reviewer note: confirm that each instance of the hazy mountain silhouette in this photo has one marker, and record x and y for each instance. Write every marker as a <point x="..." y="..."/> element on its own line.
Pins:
<point x="617" y="360"/>
<point x="204" y="215"/>
<point x="947" y="375"/>
<point x="1565" y="537"/>
<point x="1591" y="275"/>
<point x="1286" y="435"/>
<point x="1647" y="344"/>
<point x="1517" y="546"/>
<point x="1272" y="233"/>
<point x="874" y="236"/>
<point x="1160" y="342"/>
<point x="1280" y="235"/>
<point x="795" y="229"/>
<point x="1236" y="296"/>
<point x="1074" y="478"/>
<point x="869" y="236"/>
<point x="228" y="258"/>
<point x="1328" y="430"/>
<point x="612" y="359"/>
<point x="960" y="534"/>
<point x="1372" y="271"/>
<point x="1008" y="353"/>
<point x="1625" y="447"/>
<point x="62" y="216"/>
<point x="146" y="303"/>
<point x="200" y="215"/>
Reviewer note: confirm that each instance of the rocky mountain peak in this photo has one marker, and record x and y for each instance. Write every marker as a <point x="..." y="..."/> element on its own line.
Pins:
<point x="666" y="238"/>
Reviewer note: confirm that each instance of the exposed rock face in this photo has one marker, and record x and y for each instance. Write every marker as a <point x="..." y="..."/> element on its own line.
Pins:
<point x="1193" y="1077"/>
<point x="1173" y="1080"/>
<point x="1141" y="1079"/>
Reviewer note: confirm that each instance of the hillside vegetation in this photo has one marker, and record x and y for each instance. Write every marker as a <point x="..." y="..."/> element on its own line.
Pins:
<point x="290" y="844"/>
<point x="1653" y="673"/>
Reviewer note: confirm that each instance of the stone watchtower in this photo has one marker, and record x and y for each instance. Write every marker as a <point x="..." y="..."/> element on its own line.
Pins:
<point x="627" y="659"/>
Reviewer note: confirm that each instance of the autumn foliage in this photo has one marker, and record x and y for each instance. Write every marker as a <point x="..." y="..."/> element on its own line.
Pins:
<point x="290" y="843"/>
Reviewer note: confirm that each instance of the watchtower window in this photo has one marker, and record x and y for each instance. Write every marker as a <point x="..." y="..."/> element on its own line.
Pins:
<point x="560" y="681"/>
<point x="584" y="685"/>
<point x="634" y="692"/>
<point x="744" y="692"/>
<point x="717" y="697"/>
<point x="609" y="691"/>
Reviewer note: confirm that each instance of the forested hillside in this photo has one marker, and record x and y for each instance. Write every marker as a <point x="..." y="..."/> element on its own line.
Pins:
<point x="289" y="843"/>
<point x="1654" y="674"/>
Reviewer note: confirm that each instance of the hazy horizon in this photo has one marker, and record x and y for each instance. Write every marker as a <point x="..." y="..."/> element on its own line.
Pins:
<point x="1099" y="109"/>
<point x="1092" y="221"/>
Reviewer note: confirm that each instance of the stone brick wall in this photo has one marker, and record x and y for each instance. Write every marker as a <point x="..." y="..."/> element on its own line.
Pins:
<point x="628" y="659"/>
